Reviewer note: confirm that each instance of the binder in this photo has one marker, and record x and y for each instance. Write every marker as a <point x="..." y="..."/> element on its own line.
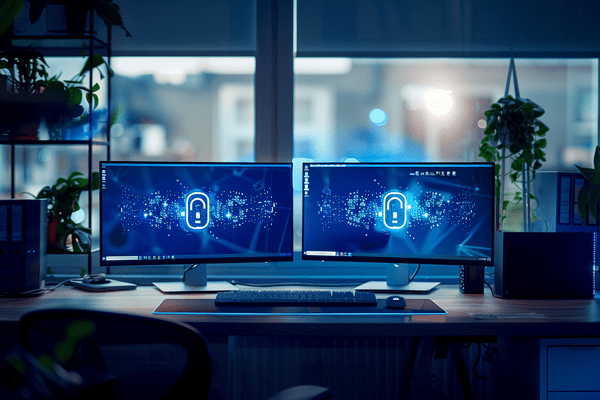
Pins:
<point x="4" y="250"/>
<point x="557" y="207"/>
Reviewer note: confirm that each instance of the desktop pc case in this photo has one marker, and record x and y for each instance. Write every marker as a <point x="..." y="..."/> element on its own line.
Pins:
<point x="23" y="244"/>
<point x="544" y="265"/>
<point x="557" y="208"/>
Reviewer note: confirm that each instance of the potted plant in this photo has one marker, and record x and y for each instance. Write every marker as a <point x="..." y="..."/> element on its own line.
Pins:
<point x="589" y="195"/>
<point x="23" y="100"/>
<point x="65" y="213"/>
<point x="66" y="96"/>
<point x="32" y="95"/>
<point x="514" y="134"/>
<point x="77" y="11"/>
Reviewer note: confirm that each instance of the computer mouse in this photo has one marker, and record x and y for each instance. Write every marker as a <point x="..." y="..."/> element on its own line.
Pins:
<point x="95" y="278"/>
<point x="395" y="302"/>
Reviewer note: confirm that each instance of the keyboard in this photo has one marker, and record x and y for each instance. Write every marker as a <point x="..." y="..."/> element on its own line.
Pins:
<point x="294" y="298"/>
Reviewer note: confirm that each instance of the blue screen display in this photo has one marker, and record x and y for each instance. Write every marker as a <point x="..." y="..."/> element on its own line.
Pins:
<point x="159" y="213"/>
<point x="405" y="213"/>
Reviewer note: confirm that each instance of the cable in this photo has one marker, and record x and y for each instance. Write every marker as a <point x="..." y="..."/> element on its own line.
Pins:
<point x="477" y="359"/>
<point x="482" y="277"/>
<point x="33" y="292"/>
<point x="415" y="273"/>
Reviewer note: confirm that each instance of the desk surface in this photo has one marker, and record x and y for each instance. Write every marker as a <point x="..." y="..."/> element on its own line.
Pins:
<point x="564" y="318"/>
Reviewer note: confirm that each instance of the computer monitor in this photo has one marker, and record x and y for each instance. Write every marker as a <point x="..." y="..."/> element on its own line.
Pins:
<point x="156" y="213"/>
<point x="399" y="213"/>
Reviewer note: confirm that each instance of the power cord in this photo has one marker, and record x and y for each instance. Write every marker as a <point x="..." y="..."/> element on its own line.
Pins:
<point x="33" y="292"/>
<point x="481" y="271"/>
<point x="415" y="273"/>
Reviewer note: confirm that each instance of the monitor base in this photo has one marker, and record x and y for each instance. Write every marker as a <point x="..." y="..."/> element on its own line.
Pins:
<point x="194" y="280"/>
<point x="411" y="287"/>
<point x="181" y="287"/>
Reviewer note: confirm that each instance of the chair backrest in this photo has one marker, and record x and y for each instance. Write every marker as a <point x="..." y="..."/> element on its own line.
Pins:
<point x="121" y="356"/>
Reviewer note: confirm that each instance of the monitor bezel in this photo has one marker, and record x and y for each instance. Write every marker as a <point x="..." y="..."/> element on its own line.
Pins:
<point x="404" y="260"/>
<point x="255" y="258"/>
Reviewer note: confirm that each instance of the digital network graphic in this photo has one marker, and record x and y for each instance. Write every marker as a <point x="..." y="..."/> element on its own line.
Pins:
<point x="398" y="212"/>
<point x="171" y="211"/>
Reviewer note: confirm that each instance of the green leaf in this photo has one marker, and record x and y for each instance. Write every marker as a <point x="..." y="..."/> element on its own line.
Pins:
<point x="593" y="198"/>
<point x="597" y="158"/>
<point x="81" y="241"/>
<point x="75" y="96"/>
<point x="589" y="174"/>
<point x="540" y="144"/>
<point x="542" y="128"/>
<point x="95" y="180"/>
<point x="95" y="61"/>
<point x="9" y="10"/>
<point x="517" y="164"/>
<point x="74" y="174"/>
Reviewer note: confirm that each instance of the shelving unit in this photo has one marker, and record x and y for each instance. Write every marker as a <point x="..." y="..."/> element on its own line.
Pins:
<point x="57" y="45"/>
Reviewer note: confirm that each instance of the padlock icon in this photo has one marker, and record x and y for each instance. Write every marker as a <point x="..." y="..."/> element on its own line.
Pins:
<point x="197" y="207"/>
<point x="394" y="210"/>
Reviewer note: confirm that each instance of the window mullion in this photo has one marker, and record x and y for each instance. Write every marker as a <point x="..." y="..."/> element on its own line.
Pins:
<point x="274" y="81"/>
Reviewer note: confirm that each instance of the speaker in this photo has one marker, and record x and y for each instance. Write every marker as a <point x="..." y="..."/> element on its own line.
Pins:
<point x="551" y="265"/>
<point x="23" y="247"/>
<point x="470" y="279"/>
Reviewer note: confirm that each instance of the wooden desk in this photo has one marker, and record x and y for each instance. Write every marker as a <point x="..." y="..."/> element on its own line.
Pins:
<point x="555" y="319"/>
<point x="576" y="318"/>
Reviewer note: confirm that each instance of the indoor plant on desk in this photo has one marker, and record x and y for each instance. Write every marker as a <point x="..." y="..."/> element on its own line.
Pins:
<point x="65" y="214"/>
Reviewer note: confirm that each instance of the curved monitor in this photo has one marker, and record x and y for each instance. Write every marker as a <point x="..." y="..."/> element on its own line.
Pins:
<point x="423" y="213"/>
<point x="188" y="213"/>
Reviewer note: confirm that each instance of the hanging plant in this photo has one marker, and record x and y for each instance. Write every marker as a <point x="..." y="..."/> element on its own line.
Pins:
<point x="514" y="134"/>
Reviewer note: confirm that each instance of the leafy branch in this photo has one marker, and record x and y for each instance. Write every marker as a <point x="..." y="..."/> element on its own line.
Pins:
<point x="514" y="134"/>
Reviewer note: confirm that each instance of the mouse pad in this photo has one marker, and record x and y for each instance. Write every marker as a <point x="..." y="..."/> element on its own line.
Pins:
<point x="204" y="307"/>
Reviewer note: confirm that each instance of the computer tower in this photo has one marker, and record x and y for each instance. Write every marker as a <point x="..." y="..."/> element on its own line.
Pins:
<point x="23" y="247"/>
<point x="556" y="208"/>
<point x="538" y="265"/>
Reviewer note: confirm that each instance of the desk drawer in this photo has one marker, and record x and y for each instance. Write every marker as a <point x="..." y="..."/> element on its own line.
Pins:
<point x="573" y="395"/>
<point x="573" y="368"/>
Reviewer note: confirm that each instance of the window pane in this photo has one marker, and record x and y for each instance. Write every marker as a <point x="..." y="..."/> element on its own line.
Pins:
<point x="183" y="108"/>
<point x="433" y="109"/>
<point x="215" y="27"/>
<point x="446" y="27"/>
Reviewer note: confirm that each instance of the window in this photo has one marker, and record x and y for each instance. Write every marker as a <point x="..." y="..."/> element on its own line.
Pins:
<point x="183" y="108"/>
<point x="433" y="109"/>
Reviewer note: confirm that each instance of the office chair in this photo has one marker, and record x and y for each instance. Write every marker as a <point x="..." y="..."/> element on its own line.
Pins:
<point x="124" y="356"/>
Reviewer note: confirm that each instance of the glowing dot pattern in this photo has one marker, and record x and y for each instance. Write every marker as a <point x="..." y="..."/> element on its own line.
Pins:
<point x="427" y="209"/>
<point x="165" y="210"/>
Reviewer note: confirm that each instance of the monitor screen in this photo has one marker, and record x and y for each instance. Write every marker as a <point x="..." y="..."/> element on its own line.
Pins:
<point x="430" y="213"/>
<point x="180" y="213"/>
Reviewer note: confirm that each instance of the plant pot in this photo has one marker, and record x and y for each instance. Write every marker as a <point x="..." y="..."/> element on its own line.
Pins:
<point x="51" y="236"/>
<point x="22" y="117"/>
<point x="67" y="19"/>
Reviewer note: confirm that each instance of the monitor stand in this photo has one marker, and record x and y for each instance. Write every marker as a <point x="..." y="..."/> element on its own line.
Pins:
<point x="194" y="280"/>
<point x="398" y="282"/>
